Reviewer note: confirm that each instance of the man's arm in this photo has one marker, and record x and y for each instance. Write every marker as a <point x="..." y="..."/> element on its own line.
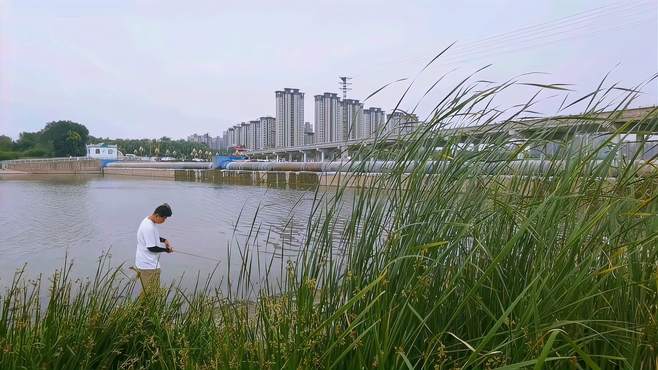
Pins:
<point x="156" y="249"/>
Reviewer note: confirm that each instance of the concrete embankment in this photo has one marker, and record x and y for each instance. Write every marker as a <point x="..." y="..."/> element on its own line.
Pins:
<point x="158" y="173"/>
<point x="54" y="166"/>
<point x="294" y="174"/>
<point x="199" y="172"/>
<point x="159" y="170"/>
<point x="277" y="179"/>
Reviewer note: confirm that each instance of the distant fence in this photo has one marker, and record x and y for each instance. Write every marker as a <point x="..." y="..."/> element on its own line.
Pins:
<point x="67" y="165"/>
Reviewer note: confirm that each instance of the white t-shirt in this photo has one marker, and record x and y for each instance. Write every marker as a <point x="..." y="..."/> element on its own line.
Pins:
<point x="148" y="235"/>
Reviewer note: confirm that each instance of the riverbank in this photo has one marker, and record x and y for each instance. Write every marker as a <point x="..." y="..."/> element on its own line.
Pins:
<point x="6" y="172"/>
<point x="477" y="261"/>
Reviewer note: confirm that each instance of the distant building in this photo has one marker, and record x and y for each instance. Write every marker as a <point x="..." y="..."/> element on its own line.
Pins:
<point x="309" y="135"/>
<point x="230" y="137"/>
<point x="289" y="118"/>
<point x="327" y="118"/>
<point x="241" y="134"/>
<point x="401" y="123"/>
<point x="248" y="135"/>
<point x="213" y="143"/>
<point x="254" y="136"/>
<point x="373" y="121"/>
<point x="224" y="144"/>
<point x="267" y="132"/>
<point x="216" y="143"/>
<point x="102" y="151"/>
<point x="352" y="111"/>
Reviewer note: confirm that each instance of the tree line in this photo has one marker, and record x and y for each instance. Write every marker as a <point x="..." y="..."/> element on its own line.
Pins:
<point x="56" y="139"/>
<point x="162" y="147"/>
<point x="67" y="138"/>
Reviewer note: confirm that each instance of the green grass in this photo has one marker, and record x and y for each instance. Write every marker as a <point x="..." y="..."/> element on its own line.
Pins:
<point x="483" y="263"/>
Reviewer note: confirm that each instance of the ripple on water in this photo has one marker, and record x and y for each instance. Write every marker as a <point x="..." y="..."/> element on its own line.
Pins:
<point x="44" y="219"/>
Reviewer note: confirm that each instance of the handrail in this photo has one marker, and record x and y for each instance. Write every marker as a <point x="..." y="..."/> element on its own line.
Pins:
<point x="46" y="160"/>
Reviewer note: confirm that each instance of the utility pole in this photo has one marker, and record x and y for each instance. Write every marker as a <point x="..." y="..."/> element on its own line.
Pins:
<point x="345" y="85"/>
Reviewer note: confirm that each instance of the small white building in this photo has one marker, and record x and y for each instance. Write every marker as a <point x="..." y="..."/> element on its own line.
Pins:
<point x="102" y="151"/>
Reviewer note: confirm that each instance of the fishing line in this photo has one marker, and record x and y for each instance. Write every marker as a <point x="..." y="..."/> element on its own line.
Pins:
<point x="196" y="255"/>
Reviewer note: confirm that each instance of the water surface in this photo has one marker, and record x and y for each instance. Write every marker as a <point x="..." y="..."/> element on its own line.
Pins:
<point x="44" y="219"/>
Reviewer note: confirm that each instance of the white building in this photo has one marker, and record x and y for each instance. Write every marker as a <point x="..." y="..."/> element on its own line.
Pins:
<point x="267" y="132"/>
<point x="211" y="142"/>
<point x="309" y="135"/>
<point x="373" y="121"/>
<point x="249" y="136"/>
<point x="352" y="119"/>
<point x="289" y="118"/>
<point x="230" y="137"/>
<point x="102" y="151"/>
<point x="327" y="118"/>
<point x="255" y="137"/>
<point x="400" y="123"/>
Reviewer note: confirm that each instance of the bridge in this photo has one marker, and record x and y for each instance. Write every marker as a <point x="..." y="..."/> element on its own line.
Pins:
<point x="561" y="126"/>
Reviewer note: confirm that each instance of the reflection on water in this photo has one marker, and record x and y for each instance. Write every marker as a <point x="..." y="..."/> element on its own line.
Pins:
<point x="42" y="219"/>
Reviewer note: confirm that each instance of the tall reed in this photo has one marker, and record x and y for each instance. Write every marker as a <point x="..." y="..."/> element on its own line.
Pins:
<point x="461" y="254"/>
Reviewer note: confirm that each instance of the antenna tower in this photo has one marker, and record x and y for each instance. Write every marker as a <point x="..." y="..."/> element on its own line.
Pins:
<point x="345" y="85"/>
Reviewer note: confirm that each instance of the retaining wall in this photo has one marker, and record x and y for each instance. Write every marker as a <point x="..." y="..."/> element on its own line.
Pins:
<point x="159" y="173"/>
<point x="277" y="179"/>
<point x="54" y="165"/>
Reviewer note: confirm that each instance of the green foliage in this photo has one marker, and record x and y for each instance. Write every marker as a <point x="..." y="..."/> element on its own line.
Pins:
<point x="66" y="138"/>
<point x="8" y="155"/>
<point x="6" y="144"/>
<point x="163" y="147"/>
<point x="27" y="140"/>
<point x="56" y="139"/>
<point x="34" y="153"/>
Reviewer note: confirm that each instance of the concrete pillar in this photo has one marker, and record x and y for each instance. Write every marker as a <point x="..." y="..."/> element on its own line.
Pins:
<point x="321" y="155"/>
<point x="304" y="155"/>
<point x="277" y="157"/>
<point x="290" y="157"/>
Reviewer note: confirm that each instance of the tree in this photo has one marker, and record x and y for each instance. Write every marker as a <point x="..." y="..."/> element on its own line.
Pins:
<point x="27" y="140"/>
<point x="6" y="143"/>
<point x="66" y="138"/>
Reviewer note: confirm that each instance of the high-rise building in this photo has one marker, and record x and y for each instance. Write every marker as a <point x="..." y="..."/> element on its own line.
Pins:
<point x="211" y="142"/>
<point x="309" y="135"/>
<point x="249" y="136"/>
<point x="373" y="121"/>
<point x="238" y="134"/>
<point x="352" y="111"/>
<point x="289" y="118"/>
<point x="255" y="139"/>
<point x="327" y="118"/>
<point x="225" y="143"/>
<point x="230" y="135"/>
<point x="243" y="134"/>
<point x="267" y="132"/>
<point x="401" y="123"/>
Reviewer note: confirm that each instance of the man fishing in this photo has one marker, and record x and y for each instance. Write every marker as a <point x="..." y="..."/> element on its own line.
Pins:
<point x="147" y="257"/>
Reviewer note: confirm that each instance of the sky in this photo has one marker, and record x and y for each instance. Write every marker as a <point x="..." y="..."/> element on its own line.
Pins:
<point x="133" y="69"/>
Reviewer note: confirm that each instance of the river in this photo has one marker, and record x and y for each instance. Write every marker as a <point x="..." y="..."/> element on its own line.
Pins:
<point x="45" y="219"/>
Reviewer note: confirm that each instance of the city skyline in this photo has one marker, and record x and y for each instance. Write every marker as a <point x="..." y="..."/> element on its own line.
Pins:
<point x="152" y="70"/>
<point x="336" y="120"/>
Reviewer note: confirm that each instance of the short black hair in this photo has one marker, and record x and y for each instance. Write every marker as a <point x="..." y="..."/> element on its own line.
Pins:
<point x="163" y="210"/>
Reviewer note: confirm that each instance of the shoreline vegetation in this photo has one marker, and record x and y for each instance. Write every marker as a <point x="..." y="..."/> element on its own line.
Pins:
<point x="452" y="271"/>
<point x="61" y="139"/>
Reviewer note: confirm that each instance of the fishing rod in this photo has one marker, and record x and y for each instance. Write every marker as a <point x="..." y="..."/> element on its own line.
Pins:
<point x="196" y="255"/>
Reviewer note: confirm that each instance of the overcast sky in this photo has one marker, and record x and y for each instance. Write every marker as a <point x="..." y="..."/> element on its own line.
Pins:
<point x="172" y="68"/>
